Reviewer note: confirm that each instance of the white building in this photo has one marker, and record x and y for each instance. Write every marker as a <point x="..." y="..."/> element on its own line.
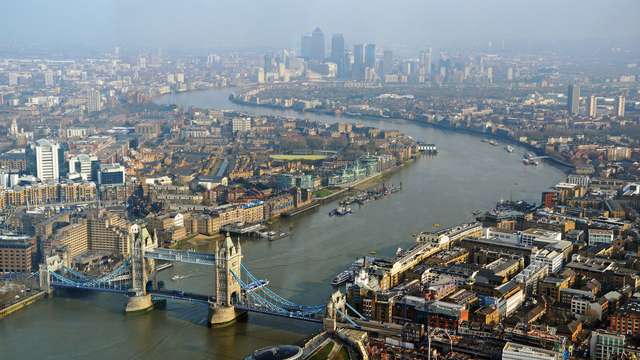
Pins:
<point x="48" y="78"/>
<point x="94" y="101"/>
<point x="241" y="124"/>
<point x="47" y="167"/>
<point x="508" y="305"/>
<point x="600" y="236"/>
<point x="530" y="236"/>
<point x="619" y="106"/>
<point x="82" y="164"/>
<point x="551" y="258"/>
<point x="582" y="307"/>
<point x="504" y="236"/>
<point x="515" y="351"/>
<point x="530" y="276"/>
<point x="76" y="132"/>
<point x="582" y="180"/>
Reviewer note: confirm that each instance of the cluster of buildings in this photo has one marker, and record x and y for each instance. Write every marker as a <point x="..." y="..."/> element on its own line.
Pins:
<point x="75" y="188"/>
<point x="545" y="282"/>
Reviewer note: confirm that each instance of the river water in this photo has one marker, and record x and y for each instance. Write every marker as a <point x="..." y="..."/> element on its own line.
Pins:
<point x="465" y="175"/>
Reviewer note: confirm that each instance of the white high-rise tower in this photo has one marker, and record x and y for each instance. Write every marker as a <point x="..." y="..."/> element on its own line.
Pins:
<point x="47" y="160"/>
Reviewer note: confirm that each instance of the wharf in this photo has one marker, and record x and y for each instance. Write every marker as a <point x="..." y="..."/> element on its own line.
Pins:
<point x="21" y="304"/>
<point x="301" y="210"/>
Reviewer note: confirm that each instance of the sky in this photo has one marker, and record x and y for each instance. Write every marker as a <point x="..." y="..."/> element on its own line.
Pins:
<point x="211" y="24"/>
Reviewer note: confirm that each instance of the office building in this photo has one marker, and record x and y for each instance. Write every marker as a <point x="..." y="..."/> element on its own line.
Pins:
<point x="387" y="62"/>
<point x="305" y="46"/>
<point x="241" y="124"/>
<point x="94" y="101"/>
<point x="13" y="79"/>
<point x="573" y="99"/>
<point x="510" y="74"/>
<point x="425" y="61"/>
<point x="370" y="56"/>
<point x="85" y="166"/>
<point x="111" y="174"/>
<point x="338" y="53"/>
<point x="48" y="78"/>
<point x="337" y="48"/>
<point x="592" y="106"/>
<point x="605" y="345"/>
<point x="47" y="167"/>
<point x="16" y="253"/>
<point x="619" y="106"/>
<point x="317" y="45"/>
<point x="358" y="62"/>
<point x="600" y="236"/>
<point x="515" y="351"/>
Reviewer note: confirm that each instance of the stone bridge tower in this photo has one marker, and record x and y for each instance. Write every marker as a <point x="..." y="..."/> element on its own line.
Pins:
<point x="140" y="240"/>
<point x="228" y="289"/>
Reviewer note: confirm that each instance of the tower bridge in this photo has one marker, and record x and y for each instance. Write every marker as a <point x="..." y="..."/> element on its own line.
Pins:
<point x="237" y="290"/>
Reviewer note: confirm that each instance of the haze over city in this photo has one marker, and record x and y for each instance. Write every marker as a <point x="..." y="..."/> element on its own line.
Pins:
<point x="311" y="180"/>
<point x="404" y="24"/>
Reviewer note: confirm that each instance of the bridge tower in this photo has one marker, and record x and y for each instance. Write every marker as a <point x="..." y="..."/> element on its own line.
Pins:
<point x="335" y="308"/>
<point x="45" y="279"/>
<point x="228" y="290"/>
<point x="139" y="241"/>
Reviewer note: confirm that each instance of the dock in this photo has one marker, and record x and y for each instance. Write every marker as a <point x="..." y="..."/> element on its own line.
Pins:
<point x="252" y="229"/>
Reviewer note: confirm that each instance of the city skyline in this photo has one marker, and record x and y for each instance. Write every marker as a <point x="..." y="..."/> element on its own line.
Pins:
<point x="245" y="25"/>
<point x="320" y="180"/>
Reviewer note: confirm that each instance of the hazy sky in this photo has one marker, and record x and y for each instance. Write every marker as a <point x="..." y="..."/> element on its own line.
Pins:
<point x="190" y="24"/>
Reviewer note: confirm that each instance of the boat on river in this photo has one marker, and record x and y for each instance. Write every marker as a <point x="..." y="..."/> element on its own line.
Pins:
<point x="342" y="278"/>
<point x="340" y="211"/>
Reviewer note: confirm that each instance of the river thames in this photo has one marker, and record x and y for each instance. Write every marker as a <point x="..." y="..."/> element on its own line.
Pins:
<point x="467" y="174"/>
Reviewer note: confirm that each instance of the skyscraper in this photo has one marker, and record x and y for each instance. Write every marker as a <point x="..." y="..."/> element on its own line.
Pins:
<point x="338" y="53"/>
<point x="305" y="46"/>
<point x="573" y="99"/>
<point x="337" y="47"/>
<point x="47" y="160"/>
<point x="94" y="102"/>
<point x="48" y="78"/>
<point x="387" y="62"/>
<point x="370" y="56"/>
<point x="358" y="61"/>
<point x="619" y="106"/>
<point x="317" y="45"/>
<point x="425" y="61"/>
<point x="593" y="106"/>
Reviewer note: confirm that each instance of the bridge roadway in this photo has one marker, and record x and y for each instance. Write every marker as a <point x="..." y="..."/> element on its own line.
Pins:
<point x="182" y="296"/>
<point x="205" y="300"/>
<point x="190" y="257"/>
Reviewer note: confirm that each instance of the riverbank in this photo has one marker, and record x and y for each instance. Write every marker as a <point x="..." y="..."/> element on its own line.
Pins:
<point x="21" y="304"/>
<point x="563" y="165"/>
<point x="356" y="184"/>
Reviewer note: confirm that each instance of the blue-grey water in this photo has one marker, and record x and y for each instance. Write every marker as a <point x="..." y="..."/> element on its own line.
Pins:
<point x="466" y="175"/>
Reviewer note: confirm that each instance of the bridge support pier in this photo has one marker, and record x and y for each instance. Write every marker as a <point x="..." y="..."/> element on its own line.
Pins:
<point x="139" y="303"/>
<point x="221" y="315"/>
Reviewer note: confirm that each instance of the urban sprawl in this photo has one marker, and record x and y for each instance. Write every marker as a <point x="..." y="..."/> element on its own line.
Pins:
<point x="87" y="158"/>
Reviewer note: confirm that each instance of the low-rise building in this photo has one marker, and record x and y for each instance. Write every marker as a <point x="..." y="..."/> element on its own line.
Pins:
<point x="16" y="253"/>
<point x="515" y="351"/>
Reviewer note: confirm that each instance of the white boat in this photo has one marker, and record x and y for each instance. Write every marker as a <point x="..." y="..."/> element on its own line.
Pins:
<point x="509" y="148"/>
<point x="179" y="277"/>
<point x="342" y="278"/>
